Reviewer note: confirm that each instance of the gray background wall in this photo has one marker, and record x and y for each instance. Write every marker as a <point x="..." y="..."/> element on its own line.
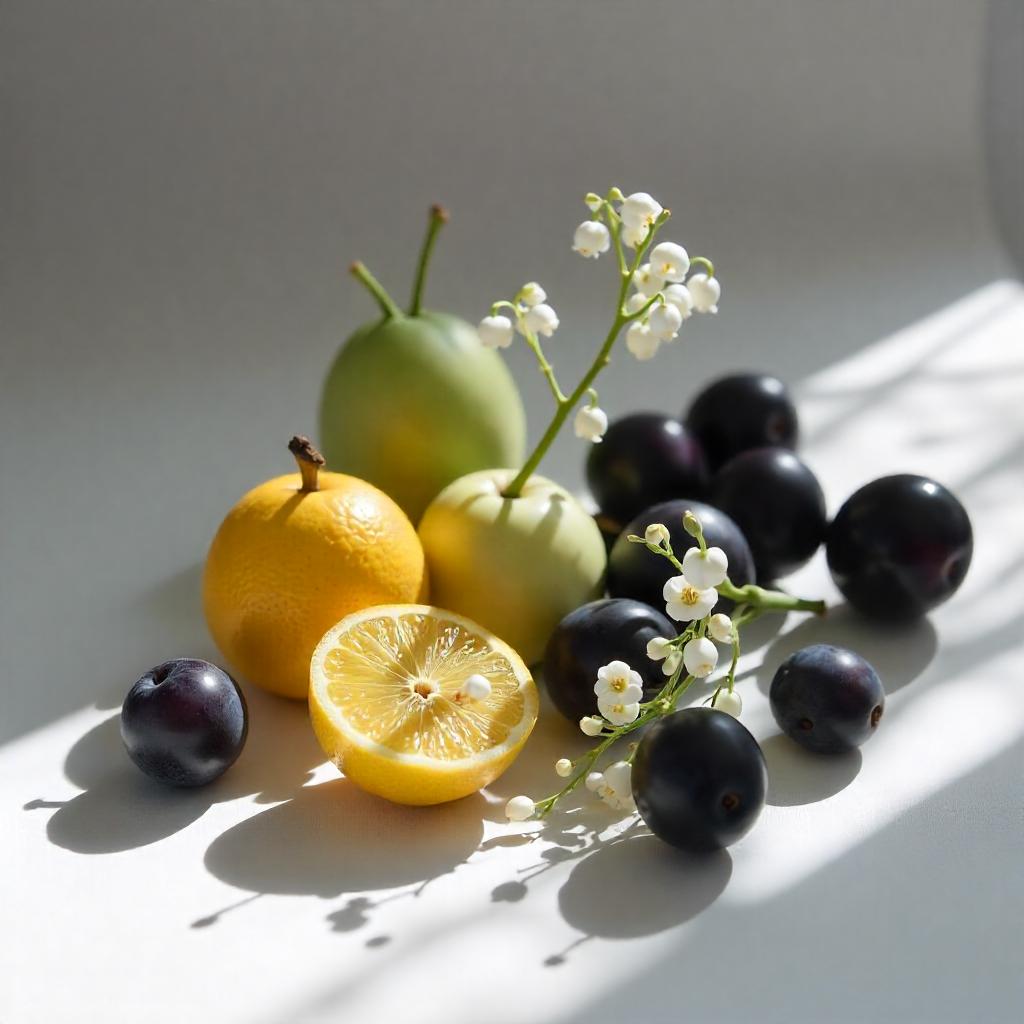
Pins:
<point x="183" y="184"/>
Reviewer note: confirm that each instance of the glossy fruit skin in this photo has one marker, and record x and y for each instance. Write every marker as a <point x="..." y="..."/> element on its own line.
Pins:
<point x="412" y="403"/>
<point x="185" y="722"/>
<point x="778" y="503"/>
<point x="644" y="459"/>
<point x="899" y="547"/>
<point x="591" y="636"/>
<point x="699" y="779"/>
<point x="740" y="412"/>
<point x="517" y="566"/>
<point x="635" y="572"/>
<point x="287" y="564"/>
<point x="827" y="699"/>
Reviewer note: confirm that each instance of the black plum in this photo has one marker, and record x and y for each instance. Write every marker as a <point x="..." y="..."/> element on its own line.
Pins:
<point x="740" y="412"/>
<point x="635" y="572"/>
<point x="644" y="459"/>
<point x="184" y="722"/>
<point x="828" y="699"/>
<point x="899" y="546"/>
<point x="591" y="636"/>
<point x="699" y="779"/>
<point x="778" y="504"/>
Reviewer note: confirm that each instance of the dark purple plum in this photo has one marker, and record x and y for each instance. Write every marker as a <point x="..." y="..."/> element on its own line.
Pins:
<point x="184" y="722"/>
<point x="827" y="699"/>
<point x="778" y="504"/>
<point x="635" y="572"/>
<point x="899" y="547"/>
<point x="614" y="629"/>
<point x="644" y="459"/>
<point x="744" y="411"/>
<point x="699" y="779"/>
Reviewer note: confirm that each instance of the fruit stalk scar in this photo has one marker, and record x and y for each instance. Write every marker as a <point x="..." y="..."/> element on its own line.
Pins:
<point x="309" y="460"/>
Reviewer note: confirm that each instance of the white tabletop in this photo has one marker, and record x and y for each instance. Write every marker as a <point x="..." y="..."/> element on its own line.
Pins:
<point x="882" y="886"/>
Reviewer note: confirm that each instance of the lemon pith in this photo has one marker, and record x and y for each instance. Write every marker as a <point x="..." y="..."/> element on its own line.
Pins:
<point x="387" y="707"/>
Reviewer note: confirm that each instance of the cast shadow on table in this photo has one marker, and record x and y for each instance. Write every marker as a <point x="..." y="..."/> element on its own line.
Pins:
<point x="666" y="887"/>
<point x="121" y="809"/>
<point x="898" y="653"/>
<point x="333" y="840"/>
<point x="796" y="776"/>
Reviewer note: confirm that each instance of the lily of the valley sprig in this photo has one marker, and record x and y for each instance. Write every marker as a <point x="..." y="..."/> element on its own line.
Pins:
<point x="655" y="297"/>
<point x="690" y="598"/>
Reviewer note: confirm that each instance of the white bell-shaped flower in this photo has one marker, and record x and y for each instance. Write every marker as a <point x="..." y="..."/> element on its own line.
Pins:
<point x="590" y="423"/>
<point x="541" y="319"/>
<point x="680" y="297"/>
<point x="670" y="261"/>
<point x="706" y="292"/>
<point x="706" y="568"/>
<point x="591" y="239"/>
<point x="665" y="321"/>
<point x="700" y="656"/>
<point x="641" y="341"/>
<point x="495" y="332"/>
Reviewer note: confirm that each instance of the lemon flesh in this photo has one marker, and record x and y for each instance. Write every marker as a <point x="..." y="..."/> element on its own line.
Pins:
<point x="387" y="705"/>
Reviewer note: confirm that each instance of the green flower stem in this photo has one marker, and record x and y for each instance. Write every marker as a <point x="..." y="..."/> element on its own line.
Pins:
<point x="666" y="700"/>
<point x="438" y="217"/>
<point x="705" y="263"/>
<point x="769" y="600"/>
<point x="545" y="367"/>
<point x="757" y="597"/>
<point x="376" y="289"/>
<point x="603" y="357"/>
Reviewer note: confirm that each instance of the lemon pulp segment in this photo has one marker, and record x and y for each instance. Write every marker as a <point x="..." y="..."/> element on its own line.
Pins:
<point x="397" y="682"/>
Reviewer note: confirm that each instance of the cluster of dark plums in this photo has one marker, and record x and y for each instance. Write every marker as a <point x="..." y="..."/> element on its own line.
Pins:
<point x="896" y="548"/>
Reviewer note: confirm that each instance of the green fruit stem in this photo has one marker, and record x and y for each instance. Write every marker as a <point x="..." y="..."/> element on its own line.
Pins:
<point x="309" y="461"/>
<point x="438" y="217"/>
<point x="376" y="289"/>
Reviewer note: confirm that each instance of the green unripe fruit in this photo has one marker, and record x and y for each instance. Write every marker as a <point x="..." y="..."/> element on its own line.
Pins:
<point x="413" y="401"/>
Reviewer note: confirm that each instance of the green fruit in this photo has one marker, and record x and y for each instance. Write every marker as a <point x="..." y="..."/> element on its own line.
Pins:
<point x="413" y="401"/>
<point x="515" y="565"/>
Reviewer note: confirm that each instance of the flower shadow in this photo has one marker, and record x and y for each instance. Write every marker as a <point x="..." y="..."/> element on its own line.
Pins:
<point x="333" y="839"/>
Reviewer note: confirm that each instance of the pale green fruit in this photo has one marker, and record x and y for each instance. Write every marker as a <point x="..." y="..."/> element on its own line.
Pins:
<point x="516" y="565"/>
<point x="414" y="402"/>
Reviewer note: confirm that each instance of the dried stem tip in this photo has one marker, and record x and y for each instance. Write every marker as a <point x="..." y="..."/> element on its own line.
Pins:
<point x="438" y="212"/>
<point x="309" y="459"/>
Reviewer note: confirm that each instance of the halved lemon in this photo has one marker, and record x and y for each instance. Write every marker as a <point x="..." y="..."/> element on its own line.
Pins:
<point x="388" y="703"/>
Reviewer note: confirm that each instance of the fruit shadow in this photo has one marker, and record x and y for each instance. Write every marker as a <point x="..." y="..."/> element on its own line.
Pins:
<point x="121" y="809"/>
<point x="796" y="776"/>
<point x="333" y="839"/>
<point x="666" y="887"/>
<point x="898" y="653"/>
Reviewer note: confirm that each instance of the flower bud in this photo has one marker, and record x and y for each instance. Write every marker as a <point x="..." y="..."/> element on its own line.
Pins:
<point x="519" y="808"/>
<point x="657" y="534"/>
<point x="531" y="294"/>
